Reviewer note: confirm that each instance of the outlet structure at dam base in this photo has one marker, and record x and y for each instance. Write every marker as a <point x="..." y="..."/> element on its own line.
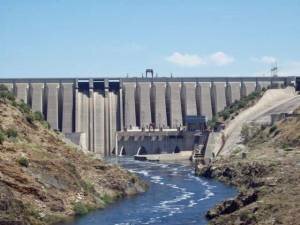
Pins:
<point x="134" y="115"/>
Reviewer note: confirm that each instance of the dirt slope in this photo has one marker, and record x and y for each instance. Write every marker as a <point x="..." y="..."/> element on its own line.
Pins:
<point x="267" y="174"/>
<point x="43" y="180"/>
<point x="271" y="99"/>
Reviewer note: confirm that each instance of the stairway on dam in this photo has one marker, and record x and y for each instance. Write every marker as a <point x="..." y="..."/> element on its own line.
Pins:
<point x="94" y="110"/>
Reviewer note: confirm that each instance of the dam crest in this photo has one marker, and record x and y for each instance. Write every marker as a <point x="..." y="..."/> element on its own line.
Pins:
<point x="134" y="114"/>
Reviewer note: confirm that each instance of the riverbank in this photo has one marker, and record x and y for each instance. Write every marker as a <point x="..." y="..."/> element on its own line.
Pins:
<point x="43" y="179"/>
<point x="267" y="174"/>
<point x="175" y="196"/>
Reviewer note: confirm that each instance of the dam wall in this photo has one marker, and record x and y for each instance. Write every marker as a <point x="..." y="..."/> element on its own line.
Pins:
<point x="97" y="109"/>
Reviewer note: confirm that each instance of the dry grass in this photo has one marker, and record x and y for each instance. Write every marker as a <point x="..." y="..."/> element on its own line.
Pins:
<point x="56" y="177"/>
<point x="277" y="149"/>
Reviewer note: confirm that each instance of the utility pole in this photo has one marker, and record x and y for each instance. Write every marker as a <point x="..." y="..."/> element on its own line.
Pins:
<point x="274" y="70"/>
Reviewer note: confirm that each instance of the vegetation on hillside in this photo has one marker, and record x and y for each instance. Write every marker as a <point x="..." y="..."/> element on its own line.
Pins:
<point x="43" y="180"/>
<point x="231" y="111"/>
<point x="267" y="174"/>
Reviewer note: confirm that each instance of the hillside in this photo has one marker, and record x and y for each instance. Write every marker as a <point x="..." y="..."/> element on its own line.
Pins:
<point x="267" y="174"/>
<point x="44" y="180"/>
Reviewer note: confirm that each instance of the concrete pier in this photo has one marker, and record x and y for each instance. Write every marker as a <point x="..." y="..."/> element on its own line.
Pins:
<point x="22" y="91"/>
<point x="99" y="123"/>
<point x="264" y="84"/>
<point x="37" y="94"/>
<point x="204" y="99"/>
<point x="67" y="107"/>
<point x="143" y="103"/>
<point x="234" y="92"/>
<point x="52" y="105"/>
<point x="159" y="99"/>
<point x="189" y="99"/>
<point x="129" y="105"/>
<point x="113" y="106"/>
<point x="219" y="96"/>
<point x="173" y="103"/>
<point x="248" y="88"/>
<point x="10" y="86"/>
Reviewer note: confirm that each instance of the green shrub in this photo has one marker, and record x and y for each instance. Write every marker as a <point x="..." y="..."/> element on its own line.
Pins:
<point x="245" y="133"/>
<point x="38" y="116"/>
<point x="46" y="124"/>
<point x="2" y="137"/>
<point x="272" y="129"/>
<point x="3" y="88"/>
<point x="80" y="209"/>
<point x="14" y="104"/>
<point x="285" y="146"/>
<point x="12" y="133"/>
<point x="106" y="199"/>
<point x="88" y="187"/>
<point x="225" y="114"/>
<point x="30" y="119"/>
<point x="213" y="122"/>
<point x="241" y="104"/>
<point x="7" y="95"/>
<point x="23" y="161"/>
<point x="23" y="107"/>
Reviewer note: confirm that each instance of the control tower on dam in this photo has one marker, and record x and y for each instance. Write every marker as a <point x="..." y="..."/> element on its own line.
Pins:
<point x="134" y="114"/>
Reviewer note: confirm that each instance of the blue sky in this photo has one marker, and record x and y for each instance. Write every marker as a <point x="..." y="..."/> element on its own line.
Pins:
<point x="65" y="38"/>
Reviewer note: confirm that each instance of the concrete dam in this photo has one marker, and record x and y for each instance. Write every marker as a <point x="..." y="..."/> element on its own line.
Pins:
<point x="145" y="115"/>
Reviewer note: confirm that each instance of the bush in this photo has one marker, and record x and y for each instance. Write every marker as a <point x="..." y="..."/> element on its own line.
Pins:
<point x="23" y="161"/>
<point x="23" y="107"/>
<point x="46" y="124"/>
<point x="14" y="104"/>
<point x="3" y="88"/>
<point x="7" y="95"/>
<point x="241" y="104"/>
<point x="245" y="133"/>
<point x="38" y="116"/>
<point x="30" y="119"/>
<point x="225" y="114"/>
<point x="11" y="133"/>
<point x="106" y="199"/>
<point x="80" y="209"/>
<point x="2" y="137"/>
<point x="88" y="187"/>
<point x="212" y="123"/>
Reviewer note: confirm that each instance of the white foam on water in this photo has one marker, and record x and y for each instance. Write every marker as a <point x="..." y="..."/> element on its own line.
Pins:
<point x="192" y="203"/>
<point x="208" y="194"/>
<point x="157" y="180"/>
<point x="143" y="172"/>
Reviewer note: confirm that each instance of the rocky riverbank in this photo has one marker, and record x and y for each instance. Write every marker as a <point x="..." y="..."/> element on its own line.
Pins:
<point x="267" y="174"/>
<point x="43" y="179"/>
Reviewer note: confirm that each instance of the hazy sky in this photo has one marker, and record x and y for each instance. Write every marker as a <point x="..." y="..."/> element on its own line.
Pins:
<point x="40" y="38"/>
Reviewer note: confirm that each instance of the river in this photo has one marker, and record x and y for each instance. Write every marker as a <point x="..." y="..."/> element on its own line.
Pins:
<point x="175" y="196"/>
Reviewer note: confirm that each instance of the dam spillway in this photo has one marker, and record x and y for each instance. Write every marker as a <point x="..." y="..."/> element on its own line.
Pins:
<point x="92" y="111"/>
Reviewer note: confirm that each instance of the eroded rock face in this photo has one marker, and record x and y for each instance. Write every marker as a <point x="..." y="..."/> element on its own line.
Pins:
<point x="11" y="209"/>
<point x="232" y="205"/>
<point x="246" y="174"/>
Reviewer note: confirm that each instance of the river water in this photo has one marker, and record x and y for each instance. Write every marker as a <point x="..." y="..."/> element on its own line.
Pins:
<point x="175" y="196"/>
